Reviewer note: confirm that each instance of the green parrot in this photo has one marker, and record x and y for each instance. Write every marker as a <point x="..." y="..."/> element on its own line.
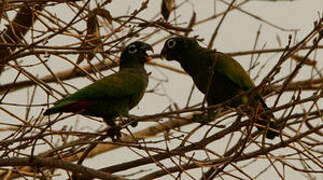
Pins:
<point x="114" y="95"/>
<point x="228" y="79"/>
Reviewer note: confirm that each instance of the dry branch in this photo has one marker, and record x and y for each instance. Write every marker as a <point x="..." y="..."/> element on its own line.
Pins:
<point x="180" y="138"/>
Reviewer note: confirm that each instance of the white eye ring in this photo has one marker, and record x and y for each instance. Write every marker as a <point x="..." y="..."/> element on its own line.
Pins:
<point x="171" y="43"/>
<point x="132" y="49"/>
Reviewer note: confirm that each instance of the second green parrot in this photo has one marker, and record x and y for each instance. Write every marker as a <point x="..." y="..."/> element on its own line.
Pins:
<point x="228" y="76"/>
<point x="113" y="95"/>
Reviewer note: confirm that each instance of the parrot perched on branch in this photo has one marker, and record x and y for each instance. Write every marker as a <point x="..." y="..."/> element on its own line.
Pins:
<point x="229" y="79"/>
<point x="114" y="95"/>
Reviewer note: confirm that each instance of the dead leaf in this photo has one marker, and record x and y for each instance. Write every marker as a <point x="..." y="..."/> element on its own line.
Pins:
<point x="166" y="8"/>
<point x="301" y="58"/>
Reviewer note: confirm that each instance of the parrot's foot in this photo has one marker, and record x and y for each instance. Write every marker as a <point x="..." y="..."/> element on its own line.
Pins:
<point x="131" y="121"/>
<point x="203" y="119"/>
<point x="134" y="124"/>
<point x="128" y="122"/>
<point x="114" y="132"/>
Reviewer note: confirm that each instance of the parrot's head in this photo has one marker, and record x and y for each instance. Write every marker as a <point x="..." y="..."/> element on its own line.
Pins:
<point x="175" y="48"/>
<point x="135" y="53"/>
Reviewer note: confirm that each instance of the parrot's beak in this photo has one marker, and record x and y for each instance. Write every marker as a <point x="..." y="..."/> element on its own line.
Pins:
<point x="163" y="54"/>
<point x="147" y="47"/>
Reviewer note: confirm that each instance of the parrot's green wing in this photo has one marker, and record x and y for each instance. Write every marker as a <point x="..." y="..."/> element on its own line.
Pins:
<point x="233" y="70"/>
<point x="123" y="84"/>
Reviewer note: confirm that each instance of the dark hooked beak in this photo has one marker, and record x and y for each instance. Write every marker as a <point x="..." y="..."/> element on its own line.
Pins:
<point x="147" y="47"/>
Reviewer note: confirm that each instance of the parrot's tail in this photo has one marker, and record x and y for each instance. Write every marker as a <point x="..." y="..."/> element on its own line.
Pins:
<point x="68" y="106"/>
<point x="50" y="111"/>
<point x="270" y="134"/>
<point x="264" y="105"/>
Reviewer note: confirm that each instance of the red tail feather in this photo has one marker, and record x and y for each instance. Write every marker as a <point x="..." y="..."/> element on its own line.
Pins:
<point x="78" y="107"/>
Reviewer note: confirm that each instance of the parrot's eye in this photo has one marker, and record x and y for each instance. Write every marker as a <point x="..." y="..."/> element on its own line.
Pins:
<point x="132" y="49"/>
<point x="171" y="43"/>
